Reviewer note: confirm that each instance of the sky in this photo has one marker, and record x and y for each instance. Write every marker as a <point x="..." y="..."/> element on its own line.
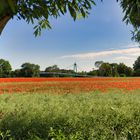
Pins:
<point x="101" y="36"/>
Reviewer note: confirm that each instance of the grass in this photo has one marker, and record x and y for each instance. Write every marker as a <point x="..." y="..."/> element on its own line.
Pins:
<point x="90" y="116"/>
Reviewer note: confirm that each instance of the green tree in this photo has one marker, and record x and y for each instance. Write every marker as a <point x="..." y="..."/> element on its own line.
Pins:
<point x="136" y="64"/>
<point x="136" y="72"/>
<point x="129" y="71"/>
<point x="5" y="68"/>
<point x="114" y="69"/>
<point x="98" y="63"/>
<point x="136" y="67"/>
<point x="124" y="70"/>
<point x="131" y="8"/>
<point x="30" y="70"/>
<point x="121" y="69"/>
<point x="40" y="11"/>
<point x="93" y="73"/>
<point x="53" y="68"/>
<point x="16" y="73"/>
<point x="105" y="70"/>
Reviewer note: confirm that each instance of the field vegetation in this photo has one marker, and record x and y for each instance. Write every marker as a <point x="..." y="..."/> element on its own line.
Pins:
<point x="70" y="109"/>
<point x="66" y="85"/>
<point x="100" y="116"/>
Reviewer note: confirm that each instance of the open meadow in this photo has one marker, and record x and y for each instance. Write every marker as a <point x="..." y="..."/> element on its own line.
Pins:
<point x="79" y="80"/>
<point x="70" y="108"/>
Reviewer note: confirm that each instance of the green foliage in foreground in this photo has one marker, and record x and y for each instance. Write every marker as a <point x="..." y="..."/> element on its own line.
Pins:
<point x="98" y="116"/>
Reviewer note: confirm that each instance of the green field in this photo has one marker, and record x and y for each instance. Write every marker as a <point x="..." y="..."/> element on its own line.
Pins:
<point x="89" y="116"/>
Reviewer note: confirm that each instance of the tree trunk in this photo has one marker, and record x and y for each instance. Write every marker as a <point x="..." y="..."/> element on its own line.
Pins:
<point x="3" y="22"/>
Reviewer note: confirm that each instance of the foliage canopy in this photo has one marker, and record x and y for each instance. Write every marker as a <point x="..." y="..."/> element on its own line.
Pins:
<point x="5" y="68"/>
<point x="30" y="70"/>
<point x="131" y="9"/>
<point x="136" y="65"/>
<point x="40" y="12"/>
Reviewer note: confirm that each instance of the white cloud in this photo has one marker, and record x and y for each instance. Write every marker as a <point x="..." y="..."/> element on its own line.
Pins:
<point x="133" y="45"/>
<point x="135" y="54"/>
<point x="129" y="52"/>
<point x="122" y="58"/>
<point x="125" y="54"/>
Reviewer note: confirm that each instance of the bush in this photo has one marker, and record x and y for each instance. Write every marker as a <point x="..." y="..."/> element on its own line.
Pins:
<point x="122" y="75"/>
<point x="136" y="72"/>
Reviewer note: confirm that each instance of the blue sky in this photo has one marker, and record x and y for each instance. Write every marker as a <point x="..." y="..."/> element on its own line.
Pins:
<point x="102" y="36"/>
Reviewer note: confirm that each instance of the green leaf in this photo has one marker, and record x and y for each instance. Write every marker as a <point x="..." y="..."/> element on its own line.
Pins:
<point x="83" y="12"/>
<point x="12" y="5"/>
<point x="1" y="7"/>
<point x="92" y="2"/>
<point x="72" y="11"/>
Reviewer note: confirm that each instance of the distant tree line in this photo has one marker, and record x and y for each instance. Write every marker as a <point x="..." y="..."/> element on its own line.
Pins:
<point x="103" y="69"/>
<point x="55" y="71"/>
<point x="111" y="70"/>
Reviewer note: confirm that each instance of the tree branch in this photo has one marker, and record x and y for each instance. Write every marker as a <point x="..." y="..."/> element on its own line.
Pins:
<point x="3" y="22"/>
